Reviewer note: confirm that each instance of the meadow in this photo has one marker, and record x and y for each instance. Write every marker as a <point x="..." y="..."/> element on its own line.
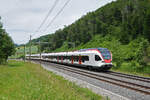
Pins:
<point x="28" y="81"/>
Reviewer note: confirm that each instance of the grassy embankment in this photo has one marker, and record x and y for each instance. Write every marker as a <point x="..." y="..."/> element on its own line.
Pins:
<point x="127" y="68"/>
<point x="26" y="81"/>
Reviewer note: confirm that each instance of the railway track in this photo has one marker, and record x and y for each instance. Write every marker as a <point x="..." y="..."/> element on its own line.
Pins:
<point x="125" y="84"/>
<point x="134" y="77"/>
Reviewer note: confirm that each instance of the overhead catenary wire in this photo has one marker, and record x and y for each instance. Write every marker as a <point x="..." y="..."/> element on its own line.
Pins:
<point x="46" y="17"/>
<point x="50" y="11"/>
<point x="54" y="17"/>
<point x="57" y="15"/>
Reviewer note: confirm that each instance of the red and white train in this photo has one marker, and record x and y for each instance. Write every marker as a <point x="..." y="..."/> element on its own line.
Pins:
<point x="97" y="58"/>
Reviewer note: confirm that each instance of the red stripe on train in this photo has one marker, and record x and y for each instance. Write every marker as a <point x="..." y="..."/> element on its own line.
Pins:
<point x="80" y="62"/>
<point x="107" y="61"/>
<point x="72" y="60"/>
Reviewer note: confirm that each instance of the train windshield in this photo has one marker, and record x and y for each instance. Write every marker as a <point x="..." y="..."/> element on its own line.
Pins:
<point x="105" y="53"/>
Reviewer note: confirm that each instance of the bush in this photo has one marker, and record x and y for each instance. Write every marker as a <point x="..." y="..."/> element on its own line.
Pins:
<point x="148" y="51"/>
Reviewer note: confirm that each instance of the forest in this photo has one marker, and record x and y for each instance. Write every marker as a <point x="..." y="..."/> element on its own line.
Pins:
<point x="122" y="26"/>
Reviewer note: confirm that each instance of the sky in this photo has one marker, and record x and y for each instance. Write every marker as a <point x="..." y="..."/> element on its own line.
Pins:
<point x="21" y="18"/>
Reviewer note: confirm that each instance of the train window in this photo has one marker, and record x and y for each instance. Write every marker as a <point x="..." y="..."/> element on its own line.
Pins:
<point x="59" y="57"/>
<point x="76" y="58"/>
<point x="47" y="57"/>
<point x="85" y="58"/>
<point x="64" y="57"/>
<point x="97" y="58"/>
<point x="50" y="57"/>
<point x="55" y="57"/>
<point x="69" y="58"/>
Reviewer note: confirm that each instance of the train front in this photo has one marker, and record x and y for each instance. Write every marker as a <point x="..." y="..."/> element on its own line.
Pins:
<point x="106" y="55"/>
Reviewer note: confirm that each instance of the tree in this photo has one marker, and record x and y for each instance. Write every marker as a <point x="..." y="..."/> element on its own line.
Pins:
<point x="125" y="20"/>
<point x="141" y="52"/>
<point x="7" y="47"/>
<point x="147" y="25"/>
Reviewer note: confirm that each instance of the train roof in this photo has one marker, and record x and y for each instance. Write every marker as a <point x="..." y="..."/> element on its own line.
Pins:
<point x="93" y="49"/>
<point x="72" y="52"/>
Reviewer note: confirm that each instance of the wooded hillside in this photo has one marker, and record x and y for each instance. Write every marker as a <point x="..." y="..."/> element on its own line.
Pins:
<point x="122" y="26"/>
<point x="124" y="20"/>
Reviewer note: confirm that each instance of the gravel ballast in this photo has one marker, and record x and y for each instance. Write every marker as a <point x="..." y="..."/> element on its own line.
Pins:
<point x="85" y="84"/>
<point x="107" y="90"/>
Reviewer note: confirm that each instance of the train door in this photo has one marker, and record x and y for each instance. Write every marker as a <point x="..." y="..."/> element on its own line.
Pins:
<point x="97" y="60"/>
<point x="85" y="59"/>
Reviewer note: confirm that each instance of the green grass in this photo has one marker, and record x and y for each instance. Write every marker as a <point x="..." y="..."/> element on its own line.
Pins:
<point x="129" y="69"/>
<point x="26" y="81"/>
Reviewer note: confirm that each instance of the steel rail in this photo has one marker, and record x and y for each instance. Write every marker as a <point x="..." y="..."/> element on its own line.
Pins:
<point x="105" y="79"/>
<point x="99" y="77"/>
<point x="139" y="78"/>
